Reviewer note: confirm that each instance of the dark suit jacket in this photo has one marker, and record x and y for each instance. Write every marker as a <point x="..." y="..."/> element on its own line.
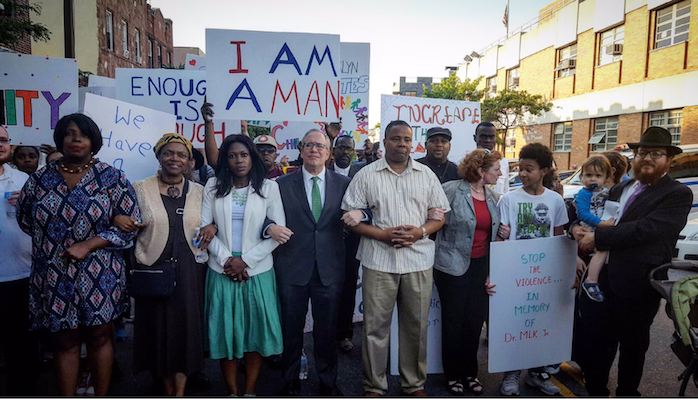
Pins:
<point x="322" y="242"/>
<point x="645" y="236"/>
<point x="353" y="168"/>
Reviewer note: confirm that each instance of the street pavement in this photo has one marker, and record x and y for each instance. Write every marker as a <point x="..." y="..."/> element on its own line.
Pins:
<point x="660" y="378"/>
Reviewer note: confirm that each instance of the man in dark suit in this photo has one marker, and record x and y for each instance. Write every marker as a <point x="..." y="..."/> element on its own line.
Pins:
<point x="652" y="211"/>
<point x="311" y="263"/>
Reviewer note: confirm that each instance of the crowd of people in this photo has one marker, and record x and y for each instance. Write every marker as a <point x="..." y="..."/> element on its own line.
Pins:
<point x="223" y="258"/>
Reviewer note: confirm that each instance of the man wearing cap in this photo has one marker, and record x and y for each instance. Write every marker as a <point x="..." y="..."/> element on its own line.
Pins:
<point x="267" y="147"/>
<point x="485" y="138"/>
<point x="652" y="210"/>
<point x="438" y="146"/>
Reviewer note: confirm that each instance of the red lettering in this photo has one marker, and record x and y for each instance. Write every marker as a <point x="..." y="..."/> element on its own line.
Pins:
<point x="418" y="116"/>
<point x="293" y="90"/>
<point x="398" y="110"/>
<point x="335" y="100"/>
<point x="239" y="69"/>
<point x="476" y="117"/>
<point x="316" y="99"/>
<point x="424" y="114"/>
<point x="448" y="116"/>
<point x="437" y="110"/>
<point x="27" y="95"/>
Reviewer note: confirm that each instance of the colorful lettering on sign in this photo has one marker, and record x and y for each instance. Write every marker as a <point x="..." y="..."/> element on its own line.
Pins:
<point x="8" y="106"/>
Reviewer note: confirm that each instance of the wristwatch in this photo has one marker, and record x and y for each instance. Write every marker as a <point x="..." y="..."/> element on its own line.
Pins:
<point x="424" y="233"/>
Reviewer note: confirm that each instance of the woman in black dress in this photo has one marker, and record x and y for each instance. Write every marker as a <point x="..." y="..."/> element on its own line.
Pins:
<point x="169" y="332"/>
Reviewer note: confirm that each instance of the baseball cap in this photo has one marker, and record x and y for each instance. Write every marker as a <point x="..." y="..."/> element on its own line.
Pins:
<point x="438" y="131"/>
<point x="266" y="139"/>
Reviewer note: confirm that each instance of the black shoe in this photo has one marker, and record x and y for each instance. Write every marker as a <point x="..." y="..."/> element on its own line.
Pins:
<point x="274" y="362"/>
<point x="199" y="381"/>
<point x="330" y="391"/>
<point x="345" y="345"/>
<point x="292" y="388"/>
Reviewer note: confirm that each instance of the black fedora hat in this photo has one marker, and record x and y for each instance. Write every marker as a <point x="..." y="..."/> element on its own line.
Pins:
<point x="198" y="159"/>
<point x="655" y="136"/>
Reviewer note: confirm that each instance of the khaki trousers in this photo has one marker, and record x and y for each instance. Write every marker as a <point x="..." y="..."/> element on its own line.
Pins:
<point x="412" y="292"/>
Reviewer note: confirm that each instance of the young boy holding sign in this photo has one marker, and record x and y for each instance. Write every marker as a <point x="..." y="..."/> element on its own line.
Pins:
<point x="532" y="212"/>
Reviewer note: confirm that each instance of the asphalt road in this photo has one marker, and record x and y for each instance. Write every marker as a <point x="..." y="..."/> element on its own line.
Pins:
<point x="660" y="379"/>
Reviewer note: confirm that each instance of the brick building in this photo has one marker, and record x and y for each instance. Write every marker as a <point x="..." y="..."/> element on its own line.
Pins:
<point x="107" y="34"/>
<point x="611" y="68"/>
<point x="24" y="45"/>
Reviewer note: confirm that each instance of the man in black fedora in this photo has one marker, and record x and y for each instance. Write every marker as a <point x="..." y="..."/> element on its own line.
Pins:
<point x="652" y="210"/>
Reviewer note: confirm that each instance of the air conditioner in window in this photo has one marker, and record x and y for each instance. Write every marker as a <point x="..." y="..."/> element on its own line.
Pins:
<point x="515" y="81"/>
<point x="564" y="64"/>
<point x="615" y="49"/>
<point x="493" y="89"/>
<point x="127" y="53"/>
<point x="572" y="63"/>
<point x="139" y="60"/>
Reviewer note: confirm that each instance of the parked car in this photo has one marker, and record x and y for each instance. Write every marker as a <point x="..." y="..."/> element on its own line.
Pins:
<point x="514" y="181"/>
<point x="687" y="245"/>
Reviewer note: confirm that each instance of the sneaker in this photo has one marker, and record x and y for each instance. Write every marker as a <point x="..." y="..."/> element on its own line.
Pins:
<point x="90" y="391"/>
<point x="552" y="369"/>
<point x="510" y="383"/>
<point x="542" y="381"/>
<point x="83" y="382"/>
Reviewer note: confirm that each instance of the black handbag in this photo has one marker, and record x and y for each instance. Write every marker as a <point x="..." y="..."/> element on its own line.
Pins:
<point x="157" y="281"/>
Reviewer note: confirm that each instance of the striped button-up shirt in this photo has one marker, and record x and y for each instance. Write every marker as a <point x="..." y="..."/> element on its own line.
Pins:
<point x="395" y="199"/>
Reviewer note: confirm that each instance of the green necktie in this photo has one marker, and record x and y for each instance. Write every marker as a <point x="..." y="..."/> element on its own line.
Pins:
<point x="317" y="201"/>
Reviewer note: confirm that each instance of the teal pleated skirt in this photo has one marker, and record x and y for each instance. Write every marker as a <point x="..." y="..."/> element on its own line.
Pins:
<point x="243" y="316"/>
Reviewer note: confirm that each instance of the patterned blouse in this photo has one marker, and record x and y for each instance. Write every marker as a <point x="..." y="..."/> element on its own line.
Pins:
<point x="65" y="294"/>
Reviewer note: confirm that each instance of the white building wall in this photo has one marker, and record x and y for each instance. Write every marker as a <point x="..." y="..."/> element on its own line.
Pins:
<point x="566" y="25"/>
<point x="585" y="13"/>
<point x="510" y="52"/>
<point x="608" y="13"/>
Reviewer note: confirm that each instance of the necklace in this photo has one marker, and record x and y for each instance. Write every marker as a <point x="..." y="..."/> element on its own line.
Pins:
<point x="477" y="191"/>
<point x="172" y="190"/>
<point x="77" y="170"/>
<point x="240" y="199"/>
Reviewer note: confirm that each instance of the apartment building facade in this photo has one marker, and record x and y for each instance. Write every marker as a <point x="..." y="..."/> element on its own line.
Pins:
<point x="107" y="34"/>
<point x="611" y="68"/>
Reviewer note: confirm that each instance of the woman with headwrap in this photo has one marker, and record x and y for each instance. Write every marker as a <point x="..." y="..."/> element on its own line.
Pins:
<point x="169" y="332"/>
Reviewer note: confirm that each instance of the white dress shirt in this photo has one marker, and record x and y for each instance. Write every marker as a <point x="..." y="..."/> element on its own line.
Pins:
<point x="308" y="182"/>
<point x="342" y="171"/>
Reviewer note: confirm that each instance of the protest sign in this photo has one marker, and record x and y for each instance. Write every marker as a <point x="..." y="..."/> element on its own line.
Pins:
<point x="96" y="80"/>
<point x="177" y="92"/>
<point x="104" y="91"/>
<point x="35" y="92"/>
<point x="273" y="76"/>
<point x="531" y="315"/>
<point x="195" y="63"/>
<point x="354" y="69"/>
<point x="129" y="134"/>
<point x="434" y="323"/>
<point x="422" y="113"/>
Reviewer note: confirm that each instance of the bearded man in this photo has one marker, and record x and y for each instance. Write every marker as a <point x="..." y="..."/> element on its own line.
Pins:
<point x="652" y="210"/>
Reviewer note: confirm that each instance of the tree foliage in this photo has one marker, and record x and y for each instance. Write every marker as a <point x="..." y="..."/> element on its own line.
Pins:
<point x="455" y="89"/>
<point x="15" y="23"/>
<point x="509" y="108"/>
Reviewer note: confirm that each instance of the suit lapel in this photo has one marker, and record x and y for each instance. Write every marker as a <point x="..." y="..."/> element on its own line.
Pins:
<point x="467" y="196"/>
<point x="647" y="193"/>
<point x="329" y="194"/>
<point x="301" y="196"/>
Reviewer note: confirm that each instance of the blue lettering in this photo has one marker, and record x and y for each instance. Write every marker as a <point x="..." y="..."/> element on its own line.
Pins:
<point x="191" y="87"/>
<point x="176" y="109"/>
<point x="151" y="84"/>
<point x="236" y="95"/>
<point x="138" y="118"/>
<point x="174" y="88"/>
<point x="133" y="86"/>
<point x="126" y="120"/>
<point x="119" y="164"/>
<point x="145" y="148"/>
<point x="196" y="110"/>
<point x="106" y="140"/>
<point x="315" y="55"/>
<point x="290" y="59"/>
<point x="203" y="90"/>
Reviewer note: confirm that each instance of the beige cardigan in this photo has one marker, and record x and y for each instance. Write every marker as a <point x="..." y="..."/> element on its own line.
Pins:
<point x="152" y="238"/>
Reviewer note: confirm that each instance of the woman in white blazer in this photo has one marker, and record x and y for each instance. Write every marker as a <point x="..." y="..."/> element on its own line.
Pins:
<point x="242" y="305"/>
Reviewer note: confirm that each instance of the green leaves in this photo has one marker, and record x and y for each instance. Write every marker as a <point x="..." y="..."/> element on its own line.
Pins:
<point x="455" y="89"/>
<point x="15" y="23"/>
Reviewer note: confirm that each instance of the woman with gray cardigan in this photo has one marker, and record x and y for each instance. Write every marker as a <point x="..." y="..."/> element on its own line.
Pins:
<point x="461" y="266"/>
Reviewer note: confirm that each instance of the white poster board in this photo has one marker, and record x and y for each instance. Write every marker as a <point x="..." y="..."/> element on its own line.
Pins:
<point x="104" y="91"/>
<point x="354" y="68"/>
<point x="434" y="323"/>
<point x="273" y="76"/>
<point x="531" y="315"/>
<point x="96" y="80"/>
<point x="35" y="92"/>
<point x="176" y="92"/>
<point x="461" y="117"/>
<point x="195" y="63"/>
<point x="129" y="134"/>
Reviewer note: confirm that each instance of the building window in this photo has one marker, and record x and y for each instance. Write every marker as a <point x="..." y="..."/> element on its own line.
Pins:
<point x="124" y="38"/>
<point x="672" y="24"/>
<point x="492" y="85"/>
<point x="566" y="61"/>
<point x="138" y="46"/>
<point x="411" y="94"/>
<point x="563" y="136"/>
<point x="510" y="140"/>
<point x="605" y="134"/>
<point x="669" y="120"/>
<point x="513" y="78"/>
<point x="611" y="45"/>
<point x="110" y="31"/>
<point x="169" y="58"/>
<point x="159" y="56"/>
<point x="150" y="53"/>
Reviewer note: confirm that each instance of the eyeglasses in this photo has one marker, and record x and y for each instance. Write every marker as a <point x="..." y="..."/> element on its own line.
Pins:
<point x="318" y="146"/>
<point x="4" y="140"/>
<point x="345" y="149"/>
<point x="266" y="149"/>
<point x="655" y="155"/>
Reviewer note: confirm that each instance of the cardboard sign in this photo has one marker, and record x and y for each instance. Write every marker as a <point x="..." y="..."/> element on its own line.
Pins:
<point x="35" y="92"/>
<point x="434" y="323"/>
<point x="354" y="69"/>
<point x="129" y="134"/>
<point x="422" y="113"/>
<point x="177" y="92"/>
<point x="274" y="76"/>
<point x="531" y="315"/>
<point x="104" y="91"/>
<point x="195" y="63"/>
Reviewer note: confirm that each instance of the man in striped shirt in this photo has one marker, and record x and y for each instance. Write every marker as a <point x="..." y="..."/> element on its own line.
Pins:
<point x="397" y="256"/>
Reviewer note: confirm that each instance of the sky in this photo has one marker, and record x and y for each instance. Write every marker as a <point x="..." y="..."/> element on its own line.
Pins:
<point x="408" y="37"/>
